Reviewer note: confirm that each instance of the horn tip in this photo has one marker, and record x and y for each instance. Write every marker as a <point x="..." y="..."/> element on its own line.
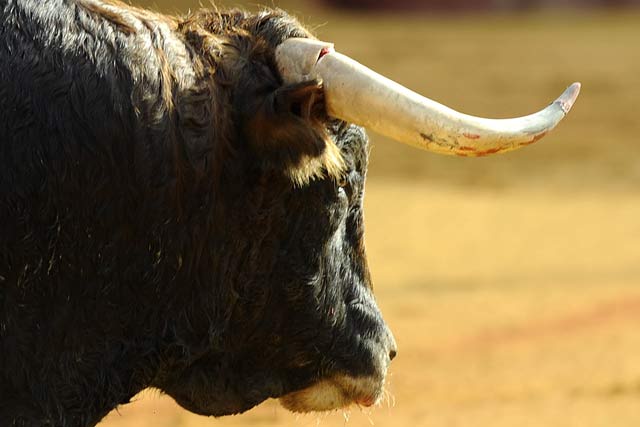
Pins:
<point x="568" y="97"/>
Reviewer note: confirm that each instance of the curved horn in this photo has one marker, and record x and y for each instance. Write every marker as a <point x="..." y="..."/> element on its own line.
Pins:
<point x="356" y="94"/>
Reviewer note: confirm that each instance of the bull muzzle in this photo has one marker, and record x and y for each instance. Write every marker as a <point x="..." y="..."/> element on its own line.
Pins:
<point x="356" y="94"/>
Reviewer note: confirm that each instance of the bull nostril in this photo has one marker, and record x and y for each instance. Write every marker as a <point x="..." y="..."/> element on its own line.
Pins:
<point x="392" y="353"/>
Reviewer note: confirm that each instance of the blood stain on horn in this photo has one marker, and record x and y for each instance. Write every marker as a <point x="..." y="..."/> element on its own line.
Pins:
<point x="471" y="135"/>
<point x="323" y="52"/>
<point x="538" y="137"/>
<point x="487" y="152"/>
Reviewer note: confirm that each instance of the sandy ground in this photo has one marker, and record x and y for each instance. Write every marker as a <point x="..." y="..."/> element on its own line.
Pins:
<point x="512" y="284"/>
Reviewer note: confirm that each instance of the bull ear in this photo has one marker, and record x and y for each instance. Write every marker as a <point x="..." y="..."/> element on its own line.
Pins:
<point x="287" y="132"/>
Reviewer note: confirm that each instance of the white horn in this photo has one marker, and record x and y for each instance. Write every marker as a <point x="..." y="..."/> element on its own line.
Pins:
<point x="356" y="94"/>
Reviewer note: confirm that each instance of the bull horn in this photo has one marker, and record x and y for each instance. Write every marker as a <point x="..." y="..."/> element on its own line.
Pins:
<point x="356" y="94"/>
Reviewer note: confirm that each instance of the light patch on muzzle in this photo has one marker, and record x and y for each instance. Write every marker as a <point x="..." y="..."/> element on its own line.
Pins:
<point x="336" y="392"/>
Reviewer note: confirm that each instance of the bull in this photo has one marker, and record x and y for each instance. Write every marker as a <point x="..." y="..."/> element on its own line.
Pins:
<point x="181" y="208"/>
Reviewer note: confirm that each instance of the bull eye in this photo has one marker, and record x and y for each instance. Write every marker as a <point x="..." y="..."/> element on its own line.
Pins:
<point x="296" y="109"/>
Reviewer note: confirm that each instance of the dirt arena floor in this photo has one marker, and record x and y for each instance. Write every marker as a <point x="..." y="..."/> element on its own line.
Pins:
<point x="512" y="283"/>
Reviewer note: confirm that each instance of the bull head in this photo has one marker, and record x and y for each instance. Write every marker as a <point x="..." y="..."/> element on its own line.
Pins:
<point x="315" y="86"/>
<point x="355" y="94"/>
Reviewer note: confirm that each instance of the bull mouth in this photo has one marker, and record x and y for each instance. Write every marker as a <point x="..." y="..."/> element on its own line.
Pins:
<point x="336" y="392"/>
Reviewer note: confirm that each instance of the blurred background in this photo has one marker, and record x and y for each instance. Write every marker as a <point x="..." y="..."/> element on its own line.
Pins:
<point x="512" y="283"/>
